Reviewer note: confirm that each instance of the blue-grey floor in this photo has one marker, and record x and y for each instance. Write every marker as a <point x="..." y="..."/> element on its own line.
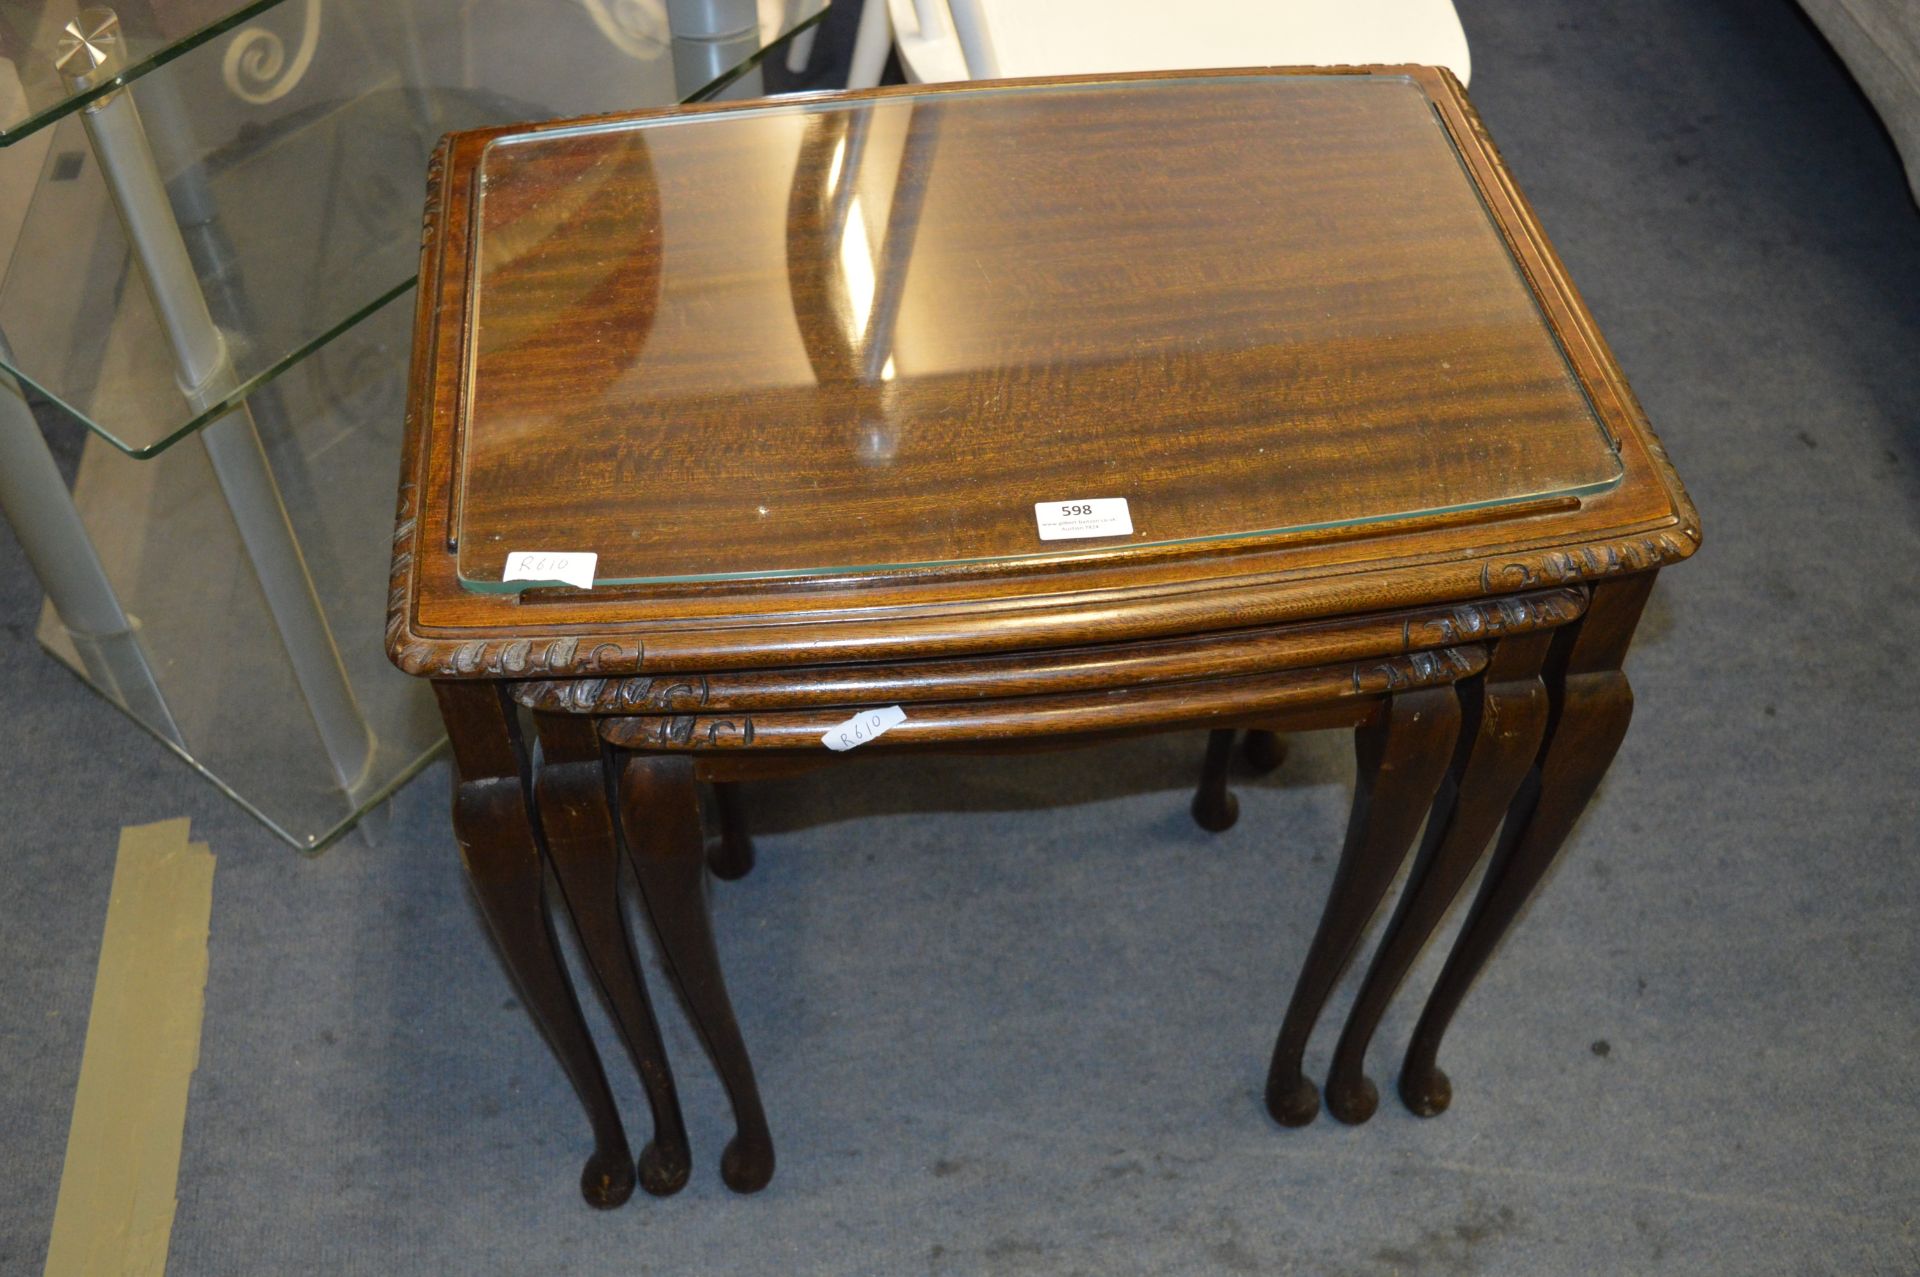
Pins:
<point x="1013" y="1016"/>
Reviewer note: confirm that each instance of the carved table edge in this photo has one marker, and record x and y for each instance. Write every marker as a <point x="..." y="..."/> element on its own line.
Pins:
<point x="623" y="652"/>
<point x="1155" y="708"/>
<point x="1419" y="629"/>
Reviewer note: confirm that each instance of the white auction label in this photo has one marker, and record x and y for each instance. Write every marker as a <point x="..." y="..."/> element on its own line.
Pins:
<point x="1093" y="517"/>
<point x="862" y="727"/>
<point x="574" y="568"/>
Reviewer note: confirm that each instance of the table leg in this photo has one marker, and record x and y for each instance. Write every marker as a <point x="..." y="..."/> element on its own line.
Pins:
<point x="660" y="812"/>
<point x="1589" y="704"/>
<point x="35" y="500"/>
<point x="575" y="814"/>
<point x="732" y="857"/>
<point x="1504" y="715"/>
<point x="1214" y="806"/>
<point x="1401" y="757"/>
<point x="1215" y="809"/>
<point x="1263" y="750"/>
<point x="492" y="818"/>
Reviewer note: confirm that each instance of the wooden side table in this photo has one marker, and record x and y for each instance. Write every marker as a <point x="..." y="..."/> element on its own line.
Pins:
<point x="1004" y="416"/>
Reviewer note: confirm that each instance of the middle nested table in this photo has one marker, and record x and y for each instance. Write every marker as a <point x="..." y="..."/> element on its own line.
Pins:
<point x="999" y="416"/>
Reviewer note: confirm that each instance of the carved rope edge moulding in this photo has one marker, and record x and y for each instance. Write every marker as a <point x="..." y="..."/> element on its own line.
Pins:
<point x="662" y="693"/>
<point x="701" y="732"/>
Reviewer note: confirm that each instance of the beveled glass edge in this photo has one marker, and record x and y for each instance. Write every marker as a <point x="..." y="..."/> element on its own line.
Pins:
<point x="227" y="403"/>
<point x="769" y="574"/>
<point x="314" y="844"/>
<point x="34" y="121"/>
<point x="1531" y="287"/>
<point x="307" y="844"/>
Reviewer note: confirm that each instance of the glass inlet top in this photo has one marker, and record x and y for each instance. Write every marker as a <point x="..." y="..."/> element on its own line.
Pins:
<point x="832" y="336"/>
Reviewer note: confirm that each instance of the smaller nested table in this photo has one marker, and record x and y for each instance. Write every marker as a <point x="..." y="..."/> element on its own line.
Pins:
<point x="1004" y="416"/>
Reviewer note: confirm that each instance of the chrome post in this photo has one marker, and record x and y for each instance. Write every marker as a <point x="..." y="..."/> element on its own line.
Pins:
<point x="710" y="38"/>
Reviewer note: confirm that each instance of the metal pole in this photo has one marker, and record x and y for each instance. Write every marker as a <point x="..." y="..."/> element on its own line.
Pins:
<point x="90" y="53"/>
<point x="710" y="38"/>
<point x="35" y="499"/>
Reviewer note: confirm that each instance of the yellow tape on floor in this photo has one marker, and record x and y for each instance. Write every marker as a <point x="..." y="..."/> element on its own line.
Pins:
<point x="115" y="1212"/>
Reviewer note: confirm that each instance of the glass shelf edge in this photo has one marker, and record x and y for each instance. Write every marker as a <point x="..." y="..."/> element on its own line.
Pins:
<point x="34" y="121"/>
<point x="1594" y="487"/>
<point x="227" y="403"/>
<point x="307" y="844"/>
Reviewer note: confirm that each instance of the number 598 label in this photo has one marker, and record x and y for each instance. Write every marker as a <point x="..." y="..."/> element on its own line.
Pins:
<point x="1089" y="517"/>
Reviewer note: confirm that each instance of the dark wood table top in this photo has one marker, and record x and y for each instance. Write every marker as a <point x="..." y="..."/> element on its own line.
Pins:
<point x="800" y="374"/>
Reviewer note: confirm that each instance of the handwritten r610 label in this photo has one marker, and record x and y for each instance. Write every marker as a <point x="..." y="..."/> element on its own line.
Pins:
<point x="572" y="568"/>
<point x="862" y="727"/>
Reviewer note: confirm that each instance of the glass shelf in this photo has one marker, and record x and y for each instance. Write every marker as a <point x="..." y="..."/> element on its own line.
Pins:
<point x="34" y="34"/>
<point x="293" y="139"/>
<point x="331" y="429"/>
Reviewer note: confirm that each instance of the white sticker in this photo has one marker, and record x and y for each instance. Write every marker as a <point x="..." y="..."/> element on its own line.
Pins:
<point x="546" y="565"/>
<point x="863" y="727"/>
<point x="1094" y="517"/>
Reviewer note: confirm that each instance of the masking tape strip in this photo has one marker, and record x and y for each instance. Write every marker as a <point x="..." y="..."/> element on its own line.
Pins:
<point x="116" y="1204"/>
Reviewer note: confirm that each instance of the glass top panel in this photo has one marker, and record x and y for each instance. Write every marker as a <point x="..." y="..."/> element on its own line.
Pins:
<point x="293" y="151"/>
<point x="832" y="336"/>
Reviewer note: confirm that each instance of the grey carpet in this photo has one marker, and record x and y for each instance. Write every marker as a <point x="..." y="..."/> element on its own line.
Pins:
<point x="1012" y="1016"/>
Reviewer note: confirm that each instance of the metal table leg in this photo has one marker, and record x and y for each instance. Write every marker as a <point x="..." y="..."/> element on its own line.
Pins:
<point x="710" y="38"/>
<point x="34" y="497"/>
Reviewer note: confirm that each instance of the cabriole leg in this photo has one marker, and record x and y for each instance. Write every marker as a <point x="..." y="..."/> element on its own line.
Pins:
<point x="492" y="818"/>
<point x="1503" y="714"/>
<point x="1263" y="750"/>
<point x="1401" y="757"/>
<point x="576" y="815"/>
<point x="732" y="857"/>
<point x="1589" y="705"/>
<point x="1214" y="806"/>
<point x="660" y="813"/>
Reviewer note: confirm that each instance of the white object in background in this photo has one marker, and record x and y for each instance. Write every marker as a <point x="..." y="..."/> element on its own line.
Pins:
<point x="871" y="43"/>
<point x="944" y="40"/>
